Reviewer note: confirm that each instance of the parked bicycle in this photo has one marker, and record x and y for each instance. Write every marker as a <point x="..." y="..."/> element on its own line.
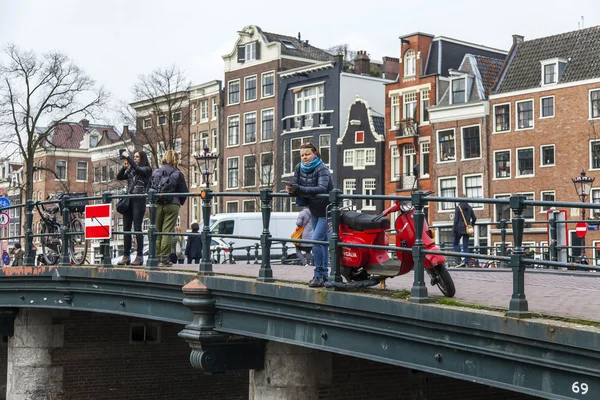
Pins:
<point x="51" y="226"/>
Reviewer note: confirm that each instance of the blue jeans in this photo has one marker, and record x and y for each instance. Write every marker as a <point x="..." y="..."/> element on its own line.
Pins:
<point x="465" y="245"/>
<point x="320" y="251"/>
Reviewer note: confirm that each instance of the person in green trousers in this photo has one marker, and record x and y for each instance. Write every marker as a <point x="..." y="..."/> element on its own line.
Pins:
<point x="167" y="213"/>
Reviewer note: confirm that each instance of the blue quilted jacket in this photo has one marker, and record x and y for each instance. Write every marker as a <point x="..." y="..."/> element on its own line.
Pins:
<point x="310" y="184"/>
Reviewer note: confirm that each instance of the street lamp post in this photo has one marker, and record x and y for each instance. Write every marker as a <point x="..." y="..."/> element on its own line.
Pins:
<point x="583" y="186"/>
<point x="207" y="162"/>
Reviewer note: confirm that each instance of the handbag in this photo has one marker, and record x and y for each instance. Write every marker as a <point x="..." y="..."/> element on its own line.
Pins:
<point x="297" y="234"/>
<point x="123" y="205"/>
<point x="469" y="228"/>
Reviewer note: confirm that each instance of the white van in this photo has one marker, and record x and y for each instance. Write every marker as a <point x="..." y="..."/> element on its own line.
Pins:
<point x="281" y="225"/>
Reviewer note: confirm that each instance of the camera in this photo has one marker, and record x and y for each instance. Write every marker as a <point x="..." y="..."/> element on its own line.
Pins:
<point x="121" y="151"/>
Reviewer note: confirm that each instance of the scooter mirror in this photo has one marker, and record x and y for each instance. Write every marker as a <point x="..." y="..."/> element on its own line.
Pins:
<point x="416" y="169"/>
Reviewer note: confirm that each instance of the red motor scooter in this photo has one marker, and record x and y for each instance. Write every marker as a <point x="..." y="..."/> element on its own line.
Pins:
<point x="366" y="267"/>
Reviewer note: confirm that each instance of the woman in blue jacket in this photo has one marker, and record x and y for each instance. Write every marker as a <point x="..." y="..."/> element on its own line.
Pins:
<point x="312" y="177"/>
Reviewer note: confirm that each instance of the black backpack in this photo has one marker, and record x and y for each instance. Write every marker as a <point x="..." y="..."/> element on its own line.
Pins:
<point x="163" y="181"/>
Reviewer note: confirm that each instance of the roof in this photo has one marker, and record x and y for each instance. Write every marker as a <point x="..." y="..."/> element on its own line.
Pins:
<point x="489" y="71"/>
<point x="68" y="135"/>
<point x="446" y="53"/>
<point x="580" y="48"/>
<point x="379" y="124"/>
<point x="302" y="48"/>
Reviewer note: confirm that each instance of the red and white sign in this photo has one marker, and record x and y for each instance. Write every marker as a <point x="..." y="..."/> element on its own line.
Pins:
<point x="98" y="221"/>
<point x="581" y="229"/>
<point x="4" y="219"/>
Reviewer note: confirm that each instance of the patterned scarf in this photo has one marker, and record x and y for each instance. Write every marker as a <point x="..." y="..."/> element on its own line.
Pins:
<point x="310" y="167"/>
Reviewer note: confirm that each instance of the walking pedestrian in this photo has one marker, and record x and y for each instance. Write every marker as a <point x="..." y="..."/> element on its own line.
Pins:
<point x="17" y="253"/>
<point x="463" y="228"/>
<point x="312" y="177"/>
<point x="137" y="171"/>
<point x="303" y="250"/>
<point x="193" y="249"/>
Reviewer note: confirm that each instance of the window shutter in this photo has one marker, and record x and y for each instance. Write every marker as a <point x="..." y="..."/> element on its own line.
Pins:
<point x="257" y="50"/>
<point x="241" y="53"/>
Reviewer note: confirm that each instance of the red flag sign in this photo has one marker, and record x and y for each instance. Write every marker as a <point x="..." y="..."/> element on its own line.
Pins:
<point x="98" y="221"/>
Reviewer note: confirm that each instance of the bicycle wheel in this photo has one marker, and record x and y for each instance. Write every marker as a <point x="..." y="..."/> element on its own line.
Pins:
<point x="50" y="245"/>
<point x="78" y="246"/>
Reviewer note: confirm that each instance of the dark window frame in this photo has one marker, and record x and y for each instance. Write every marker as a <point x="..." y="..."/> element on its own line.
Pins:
<point x="471" y="144"/>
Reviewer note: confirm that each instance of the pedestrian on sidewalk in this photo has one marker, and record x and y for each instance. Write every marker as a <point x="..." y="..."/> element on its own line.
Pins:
<point x="303" y="250"/>
<point x="17" y="253"/>
<point x="193" y="249"/>
<point x="463" y="229"/>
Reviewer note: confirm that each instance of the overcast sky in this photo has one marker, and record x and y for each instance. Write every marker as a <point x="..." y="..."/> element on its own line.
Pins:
<point x="115" y="41"/>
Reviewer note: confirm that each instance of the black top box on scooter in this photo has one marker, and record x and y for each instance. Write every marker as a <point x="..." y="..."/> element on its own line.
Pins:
<point x="362" y="222"/>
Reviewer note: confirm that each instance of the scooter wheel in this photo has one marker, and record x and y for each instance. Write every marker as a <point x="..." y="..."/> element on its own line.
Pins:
<point x="353" y="274"/>
<point x="444" y="281"/>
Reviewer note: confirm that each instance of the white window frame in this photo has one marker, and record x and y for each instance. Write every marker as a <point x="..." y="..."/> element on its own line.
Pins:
<point x="194" y="176"/>
<point x="591" y="143"/>
<point x="348" y="158"/>
<point x="395" y="163"/>
<point x="77" y="172"/>
<point x="410" y="63"/>
<point x="449" y="206"/>
<point x="509" y="117"/>
<point x="271" y="179"/>
<point x="542" y="107"/>
<point x="244" y="202"/>
<point x="533" y="207"/>
<point x="517" y="173"/>
<point x="262" y="139"/>
<point x="501" y="196"/>
<point x="262" y="85"/>
<point x="229" y="118"/>
<point x="594" y="212"/>
<point x="215" y="108"/>
<point x="509" y="163"/>
<point x="475" y="206"/>
<point x="542" y="165"/>
<point x="204" y="110"/>
<point x="237" y="205"/>
<point x="462" y="143"/>
<point x="409" y="98"/>
<point x="174" y="117"/>
<point x="591" y="117"/>
<point x="238" y="172"/>
<point x="158" y="120"/>
<point x="229" y="83"/>
<point x="66" y="170"/>
<point x="532" y="115"/>
<point x="147" y="123"/>
<point x="424" y="97"/>
<point x="542" y="211"/>
<point x="244" y="171"/>
<point x="395" y="112"/>
<point x="193" y="112"/>
<point x="349" y="186"/>
<point x="422" y="152"/>
<point x="451" y="92"/>
<point x="369" y="203"/>
<point x="323" y="146"/>
<point x="555" y="62"/>
<point x="250" y="51"/>
<point x="255" y="127"/>
<point x="246" y="79"/>
<point x="437" y="142"/>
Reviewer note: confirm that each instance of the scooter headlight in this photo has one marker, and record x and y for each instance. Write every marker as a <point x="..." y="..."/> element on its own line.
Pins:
<point x="406" y="206"/>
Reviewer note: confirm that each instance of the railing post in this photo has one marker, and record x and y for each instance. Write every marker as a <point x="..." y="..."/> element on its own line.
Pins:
<point x="503" y="224"/>
<point x="518" y="304"/>
<point x="152" y="262"/>
<point x="206" y="262"/>
<point x="105" y="245"/>
<point x="418" y="293"/>
<point x="256" y="246"/>
<point x="266" y="273"/>
<point x="553" y="237"/>
<point x="29" y="256"/>
<point x="65" y="260"/>
<point x="335" y="250"/>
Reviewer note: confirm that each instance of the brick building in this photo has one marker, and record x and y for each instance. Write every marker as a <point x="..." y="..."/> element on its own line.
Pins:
<point x="251" y="109"/>
<point x="546" y="126"/>
<point x="460" y="124"/>
<point x="425" y="62"/>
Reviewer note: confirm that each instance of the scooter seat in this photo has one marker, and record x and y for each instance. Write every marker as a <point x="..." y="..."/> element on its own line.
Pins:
<point x="362" y="222"/>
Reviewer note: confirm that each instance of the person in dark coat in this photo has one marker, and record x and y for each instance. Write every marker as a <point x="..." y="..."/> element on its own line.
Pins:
<point x="459" y="229"/>
<point x="193" y="250"/>
<point x="312" y="177"/>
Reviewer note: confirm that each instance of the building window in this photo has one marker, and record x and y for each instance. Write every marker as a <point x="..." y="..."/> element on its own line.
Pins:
<point x="250" y="127"/>
<point x="232" y="172"/>
<point x="104" y="173"/>
<point x="525" y="114"/>
<point x="395" y="156"/>
<point x="295" y="149"/>
<point x="447" y="189"/>
<point x="215" y="139"/>
<point x="425" y="106"/>
<point x="359" y="137"/>
<point x="595" y="103"/>
<point x="446" y="147"/>
<point x="395" y="112"/>
<point x="249" y="171"/>
<point x="203" y="110"/>
<point x="61" y="169"/>
<point x="410" y="63"/>
<point x="97" y="174"/>
<point x="424" y="159"/>
<point x="502" y="164"/>
<point x="233" y="131"/>
<point x="595" y="153"/>
<point x="176" y="116"/>
<point x="550" y="74"/>
<point x="215" y="108"/>
<point x="370" y="157"/>
<point x="458" y="90"/>
<point x="502" y="211"/>
<point x="193" y="113"/>
<point x="268" y="84"/>
<point x="547" y="153"/>
<point x="162" y="120"/>
<point x="195" y="212"/>
<point x="474" y="189"/>
<point x="204" y="140"/>
<point x="359" y="156"/>
<point x="324" y="147"/>
<point x="349" y="188"/>
<point x="231" y="207"/>
<point x="369" y="186"/>
<point x="234" y="92"/>
<point x="267" y="170"/>
<point x="249" y="206"/>
<point x="471" y="142"/>
<point x="348" y="158"/>
<point x="147" y="124"/>
<point x="410" y="105"/>
<point x="502" y="118"/>
<point x="194" y="174"/>
<point x="525" y="162"/>
<point x="267" y="124"/>
<point x="549" y="195"/>
<point x="547" y="107"/>
<point x="250" y="51"/>
<point x="144" y="333"/>
<point x="528" y="212"/>
<point x="81" y="171"/>
<point x="250" y="88"/>
<point x="310" y="100"/>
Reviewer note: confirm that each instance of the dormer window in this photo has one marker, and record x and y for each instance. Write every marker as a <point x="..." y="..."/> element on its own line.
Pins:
<point x="459" y="90"/>
<point x="248" y="52"/>
<point x="410" y="63"/>
<point x="288" y="44"/>
<point x="552" y="70"/>
<point x="94" y="141"/>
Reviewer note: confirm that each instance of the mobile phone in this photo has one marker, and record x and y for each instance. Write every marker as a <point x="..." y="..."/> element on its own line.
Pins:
<point x="286" y="182"/>
<point x="121" y="151"/>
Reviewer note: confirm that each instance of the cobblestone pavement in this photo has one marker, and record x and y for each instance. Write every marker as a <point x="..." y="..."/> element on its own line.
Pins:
<point x="554" y="293"/>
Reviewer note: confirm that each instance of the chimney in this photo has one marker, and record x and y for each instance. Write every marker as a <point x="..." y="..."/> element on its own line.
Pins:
<point x="391" y="68"/>
<point x="84" y="123"/>
<point x="125" y="131"/>
<point x="299" y="37"/>
<point x="517" y="39"/>
<point x="362" y="63"/>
